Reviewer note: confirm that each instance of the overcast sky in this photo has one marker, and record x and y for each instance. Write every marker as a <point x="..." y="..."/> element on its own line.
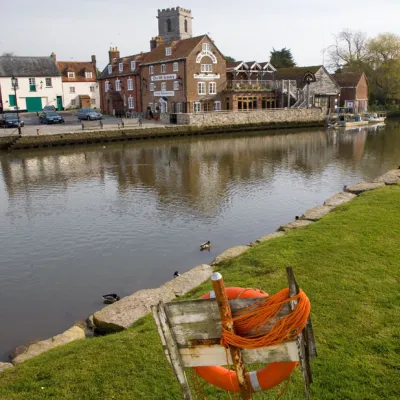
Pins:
<point x="245" y="30"/>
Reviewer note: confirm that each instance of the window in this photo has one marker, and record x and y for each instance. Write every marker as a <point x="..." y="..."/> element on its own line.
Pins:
<point x="163" y="68"/>
<point x="206" y="67"/>
<point x="212" y="88"/>
<point x="197" y="107"/>
<point x="124" y="101"/>
<point x="89" y="75"/>
<point x="92" y="89"/>
<point x="130" y="84"/>
<point x="32" y="85"/>
<point x="133" y="65"/>
<point x="73" y="102"/>
<point x="118" y="85"/>
<point x="175" y="67"/>
<point x="201" y="88"/>
<point x="11" y="100"/>
<point x="168" y="51"/>
<point x="169" y="25"/>
<point x="217" y="106"/>
<point x="16" y="84"/>
<point x="207" y="47"/>
<point x="107" y="86"/>
<point x="176" y="85"/>
<point x="151" y="69"/>
<point x="48" y="82"/>
<point x="110" y="69"/>
<point x="178" y="107"/>
<point x="152" y="87"/>
<point x="186" y="25"/>
<point x="163" y="86"/>
<point x="120" y="67"/>
<point x="71" y="74"/>
<point x="131" y="102"/>
<point x="93" y="102"/>
<point x="72" y="89"/>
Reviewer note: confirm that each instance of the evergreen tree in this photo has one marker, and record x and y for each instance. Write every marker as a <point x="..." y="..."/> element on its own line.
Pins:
<point x="282" y="58"/>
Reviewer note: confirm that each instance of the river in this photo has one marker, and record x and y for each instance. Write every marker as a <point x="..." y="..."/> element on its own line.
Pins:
<point x="79" y="222"/>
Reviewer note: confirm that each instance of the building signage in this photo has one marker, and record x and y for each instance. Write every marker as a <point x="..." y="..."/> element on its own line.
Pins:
<point x="205" y="77"/>
<point x="169" y="77"/>
<point x="205" y="53"/>
<point x="164" y="94"/>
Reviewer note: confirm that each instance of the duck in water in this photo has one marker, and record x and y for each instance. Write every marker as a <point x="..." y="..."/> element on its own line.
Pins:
<point x="205" y="246"/>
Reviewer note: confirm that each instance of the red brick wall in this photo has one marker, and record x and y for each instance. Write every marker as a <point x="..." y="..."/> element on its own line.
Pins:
<point x="362" y="89"/>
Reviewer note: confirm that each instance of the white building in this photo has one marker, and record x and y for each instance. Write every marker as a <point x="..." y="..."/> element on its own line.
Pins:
<point x="79" y="83"/>
<point x="39" y="83"/>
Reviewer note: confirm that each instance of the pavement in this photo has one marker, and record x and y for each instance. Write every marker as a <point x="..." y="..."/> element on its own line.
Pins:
<point x="72" y="124"/>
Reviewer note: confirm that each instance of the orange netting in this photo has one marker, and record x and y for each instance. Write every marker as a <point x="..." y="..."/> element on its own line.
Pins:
<point x="259" y="325"/>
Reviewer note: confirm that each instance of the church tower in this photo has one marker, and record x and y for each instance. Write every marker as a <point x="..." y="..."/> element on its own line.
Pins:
<point x="174" y="24"/>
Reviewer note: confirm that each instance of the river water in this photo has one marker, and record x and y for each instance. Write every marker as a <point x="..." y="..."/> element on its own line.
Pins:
<point x="77" y="223"/>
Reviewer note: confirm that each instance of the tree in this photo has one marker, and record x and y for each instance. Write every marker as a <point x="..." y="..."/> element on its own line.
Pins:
<point x="282" y="58"/>
<point x="8" y="54"/>
<point x="229" y="59"/>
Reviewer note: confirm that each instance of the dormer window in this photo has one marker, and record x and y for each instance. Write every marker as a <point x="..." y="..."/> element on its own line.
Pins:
<point x="88" y="75"/>
<point x="133" y="65"/>
<point x="207" y="47"/>
<point x="110" y="69"/>
<point x="71" y="74"/>
<point x="163" y="68"/>
<point x="168" y="51"/>
<point x="120" y="67"/>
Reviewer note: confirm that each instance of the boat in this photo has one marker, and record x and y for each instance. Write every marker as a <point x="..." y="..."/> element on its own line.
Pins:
<point x="350" y="120"/>
<point x="373" y="118"/>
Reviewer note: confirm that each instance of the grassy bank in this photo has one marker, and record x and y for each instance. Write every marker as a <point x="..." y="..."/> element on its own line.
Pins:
<point x="348" y="264"/>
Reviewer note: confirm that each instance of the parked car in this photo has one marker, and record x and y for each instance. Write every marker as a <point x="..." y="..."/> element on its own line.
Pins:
<point x="51" y="118"/>
<point x="11" y="121"/>
<point x="89" y="114"/>
<point x="49" y="108"/>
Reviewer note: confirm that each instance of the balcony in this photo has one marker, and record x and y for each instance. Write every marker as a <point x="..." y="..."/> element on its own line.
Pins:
<point x="251" y="86"/>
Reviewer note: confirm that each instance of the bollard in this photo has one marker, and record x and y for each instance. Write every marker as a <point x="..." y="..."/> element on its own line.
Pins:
<point x="119" y="125"/>
<point x="122" y="123"/>
<point x="101" y="124"/>
<point x="83" y="126"/>
<point x="37" y="131"/>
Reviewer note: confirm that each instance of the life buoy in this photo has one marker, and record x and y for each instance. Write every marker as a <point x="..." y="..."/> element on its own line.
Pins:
<point x="266" y="378"/>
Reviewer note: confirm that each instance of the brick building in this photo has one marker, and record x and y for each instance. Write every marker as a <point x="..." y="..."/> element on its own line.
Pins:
<point x="353" y="91"/>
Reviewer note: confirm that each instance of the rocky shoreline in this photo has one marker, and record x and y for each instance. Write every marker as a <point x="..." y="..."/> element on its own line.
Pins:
<point x="121" y="315"/>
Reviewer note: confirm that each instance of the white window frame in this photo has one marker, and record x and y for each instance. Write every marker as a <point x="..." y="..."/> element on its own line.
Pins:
<point x="106" y="86"/>
<point x="212" y="88"/>
<point x="217" y="106"/>
<point x="109" y="69"/>
<point x="206" y="67"/>
<point x="93" y="101"/>
<point x="200" y="87"/>
<point x="71" y="75"/>
<point x="206" y="47"/>
<point x="133" y="65"/>
<point x="163" y="68"/>
<point x="130" y="84"/>
<point x="163" y="86"/>
<point x="73" y="102"/>
<point x="151" y="69"/>
<point x="92" y="89"/>
<point x="89" y="75"/>
<point x="178" y="108"/>
<point x="168" y="51"/>
<point x="175" y="67"/>
<point x="120" y="67"/>
<point x="197" y="107"/>
<point x="51" y="82"/>
<point x="118" y="85"/>
<point x="131" y="102"/>
<point x="176" y="85"/>
<point x="152" y="87"/>
<point x="72" y="89"/>
<point x="32" y="81"/>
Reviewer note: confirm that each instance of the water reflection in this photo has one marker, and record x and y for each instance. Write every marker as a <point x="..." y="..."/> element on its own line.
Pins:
<point x="76" y="223"/>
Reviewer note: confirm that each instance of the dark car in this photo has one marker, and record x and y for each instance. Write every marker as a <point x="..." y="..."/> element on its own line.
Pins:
<point x="51" y="118"/>
<point x="89" y="114"/>
<point x="49" y="108"/>
<point x="11" y="121"/>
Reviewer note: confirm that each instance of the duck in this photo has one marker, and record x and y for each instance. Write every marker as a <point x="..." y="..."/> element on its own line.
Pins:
<point x="176" y="274"/>
<point x="297" y="218"/>
<point x="110" y="298"/>
<point x="205" y="246"/>
<point x="344" y="188"/>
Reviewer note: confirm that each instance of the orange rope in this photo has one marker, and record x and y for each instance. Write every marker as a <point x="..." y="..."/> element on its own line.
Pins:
<point x="259" y="326"/>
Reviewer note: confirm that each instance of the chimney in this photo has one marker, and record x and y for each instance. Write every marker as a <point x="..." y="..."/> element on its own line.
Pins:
<point x="53" y="56"/>
<point x="153" y="44"/>
<point x="113" y="54"/>
<point x="94" y="63"/>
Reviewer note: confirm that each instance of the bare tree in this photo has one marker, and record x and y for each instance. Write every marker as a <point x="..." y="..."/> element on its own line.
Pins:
<point x="8" y="54"/>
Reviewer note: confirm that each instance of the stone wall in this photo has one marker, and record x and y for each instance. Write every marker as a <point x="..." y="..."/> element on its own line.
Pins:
<point x="281" y="116"/>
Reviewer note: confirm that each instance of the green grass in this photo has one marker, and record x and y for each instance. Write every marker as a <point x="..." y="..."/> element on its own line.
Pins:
<point x="348" y="264"/>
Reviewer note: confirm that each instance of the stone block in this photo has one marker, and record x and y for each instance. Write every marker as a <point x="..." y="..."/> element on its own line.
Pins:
<point x="316" y="213"/>
<point x="230" y="253"/>
<point x="363" y="187"/>
<point x="4" y="366"/>
<point x="294" y="225"/>
<point x="122" y="314"/>
<point x="338" y="199"/>
<point x="391" y="177"/>
<point x="268" y="237"/>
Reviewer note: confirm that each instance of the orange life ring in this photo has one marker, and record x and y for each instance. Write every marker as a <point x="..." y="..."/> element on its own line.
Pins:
<point x="266" y="378"/>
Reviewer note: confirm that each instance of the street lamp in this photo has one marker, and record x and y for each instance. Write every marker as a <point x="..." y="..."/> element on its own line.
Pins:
<point x="14" y="83"/>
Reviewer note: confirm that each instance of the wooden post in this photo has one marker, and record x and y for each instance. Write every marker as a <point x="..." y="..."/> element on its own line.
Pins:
<point x="288" y="94"/>
<point x="282" y="94"/>
<point x="227" y="323"/>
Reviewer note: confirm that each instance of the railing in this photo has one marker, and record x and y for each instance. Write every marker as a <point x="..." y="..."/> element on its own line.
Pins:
<point x="254" y="85"/>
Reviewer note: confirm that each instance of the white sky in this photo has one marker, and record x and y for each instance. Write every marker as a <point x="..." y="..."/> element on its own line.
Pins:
<point x="246" y="30"/>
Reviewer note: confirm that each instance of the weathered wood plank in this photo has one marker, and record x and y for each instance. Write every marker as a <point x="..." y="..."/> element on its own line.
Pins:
<point x="201" y="356"/>
<point x="173" y="351"/>
<point x="154" y="310"/>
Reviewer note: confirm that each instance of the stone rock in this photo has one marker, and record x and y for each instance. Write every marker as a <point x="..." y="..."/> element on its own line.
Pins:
<point x="391" y="177"/>
<point x="338" y="199"/>
<point x="364" y="187"/>
<point x="316" y="213"/>
<point x="294" y="225"/>
<point x="268" y="237"/>
<point x="122" y="314"/>
<point x="4" y="366"/>
<point x="233" y="252"/>
<point x="90" y="322"/>
<point x="72" y="334"/>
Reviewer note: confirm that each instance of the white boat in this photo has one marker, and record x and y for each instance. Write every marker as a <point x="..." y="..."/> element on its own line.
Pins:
<point x="347" y="124"/>
<point x="374" y="118"/>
